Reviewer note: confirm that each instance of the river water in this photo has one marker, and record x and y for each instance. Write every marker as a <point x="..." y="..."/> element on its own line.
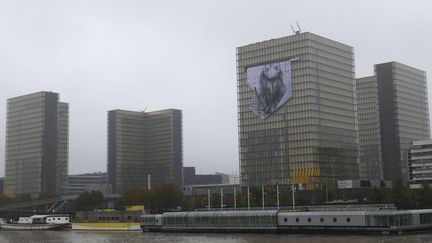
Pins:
<point x="127" y="237"/>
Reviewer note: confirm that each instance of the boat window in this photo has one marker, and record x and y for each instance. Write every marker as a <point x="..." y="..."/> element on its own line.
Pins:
<point x="335" y="220"/>
<point x="348" y="220"/>
<point x="285" y="219"/>
<point x="309" y="219"/>
<point x="67" y="218"/>
<point x="322" y="220"/>
<point x="297" y="220"/>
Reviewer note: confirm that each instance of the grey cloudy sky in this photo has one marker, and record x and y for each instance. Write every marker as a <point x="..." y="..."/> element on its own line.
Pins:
<point x="134" y="54"/>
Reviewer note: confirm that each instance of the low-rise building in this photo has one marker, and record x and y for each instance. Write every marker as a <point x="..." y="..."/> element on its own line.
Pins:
<point x="80" y="183"/>
<point x="420" y="163"/>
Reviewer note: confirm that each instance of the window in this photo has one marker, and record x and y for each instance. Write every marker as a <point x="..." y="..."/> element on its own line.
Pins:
<point x="335" y="220"/>
<point x="322" y="220"/>
<point x="285" y="219"/>
<point x="297" y="220"/>
<point x="309" y="220"/>
<point x="348" y="220"/>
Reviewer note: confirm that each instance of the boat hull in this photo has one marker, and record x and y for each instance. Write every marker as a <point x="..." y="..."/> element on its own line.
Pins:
<point x="35" y="227"/>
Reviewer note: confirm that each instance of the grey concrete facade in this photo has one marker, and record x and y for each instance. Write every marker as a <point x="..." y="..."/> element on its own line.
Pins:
<point x="144" y="143"/>
<point x="420" y="164"/>
<point x="311" y="140"/>
<point x="37" y="133"/>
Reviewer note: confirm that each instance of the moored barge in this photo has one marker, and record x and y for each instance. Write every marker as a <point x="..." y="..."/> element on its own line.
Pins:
<point x="269" y="221"/>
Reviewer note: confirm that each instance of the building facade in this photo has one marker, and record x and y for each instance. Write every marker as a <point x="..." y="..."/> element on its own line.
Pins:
<point x="80" y="183"/>
<point x="420" y="164"/>
<point x="37" y="135"/>
<point x="393" y="112"/>
<point x="296" y="112"/>
<point x="142" y="144"/>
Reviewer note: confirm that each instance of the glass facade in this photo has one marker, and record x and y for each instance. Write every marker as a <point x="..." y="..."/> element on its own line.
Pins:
<point x="311" y="139"/>
<point x="221" y="219"/>
<point x="371" y="167"/>
<point x="389" y="219"/>
<point x="36" y="144"/>
<point x="144" y="143"/>
<point x="393" y="112"/>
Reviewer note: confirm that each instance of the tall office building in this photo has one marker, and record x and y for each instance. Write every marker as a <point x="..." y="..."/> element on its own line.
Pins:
<point x="296" y="112"/>
<point x="142" y="144"/>
<point x="392" y="113"/>
<point x="37" y="133"/>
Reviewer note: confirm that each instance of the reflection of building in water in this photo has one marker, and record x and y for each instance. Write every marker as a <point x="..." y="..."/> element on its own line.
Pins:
<point x="144" y="143"/>
<point x="311" y="139"/>
<point x="36" y="144"/>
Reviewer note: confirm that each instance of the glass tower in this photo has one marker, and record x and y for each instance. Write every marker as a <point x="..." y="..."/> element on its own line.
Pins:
<point x="37" y="134"/>
<point x="142" y="144"/>
<point x="394" y="113"/>
<point x="310" y="140"/>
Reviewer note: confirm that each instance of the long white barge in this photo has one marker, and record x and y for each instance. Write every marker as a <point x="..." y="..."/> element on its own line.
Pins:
<point x="39" y="222"/>
<point x="386" y="221"/>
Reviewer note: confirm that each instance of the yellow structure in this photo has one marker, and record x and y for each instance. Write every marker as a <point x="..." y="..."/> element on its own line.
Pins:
<point x="306" y="176"/>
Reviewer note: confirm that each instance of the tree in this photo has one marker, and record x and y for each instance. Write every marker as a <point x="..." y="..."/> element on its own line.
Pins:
<point x="22" y="197"/>
<point x="403" y="197"/>
<point x="376" y="196"/>
<point x="88" y="200"/>
<point x="424" y="197"/>
<point x="165" y="197"/>
<point x="5" y="199"/>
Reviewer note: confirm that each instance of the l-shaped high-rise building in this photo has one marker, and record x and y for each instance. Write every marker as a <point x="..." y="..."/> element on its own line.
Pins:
<point x="37" y="133"/>
<point x="296" y="112"/>
<point x="142" y="144"/>
<point x="392" y="112"/>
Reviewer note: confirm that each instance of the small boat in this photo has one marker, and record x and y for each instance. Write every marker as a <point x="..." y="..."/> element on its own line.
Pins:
<point x="39" y="222"/>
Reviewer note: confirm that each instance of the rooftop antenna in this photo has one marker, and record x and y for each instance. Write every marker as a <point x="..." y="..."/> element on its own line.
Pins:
<point x="298" y="28"/>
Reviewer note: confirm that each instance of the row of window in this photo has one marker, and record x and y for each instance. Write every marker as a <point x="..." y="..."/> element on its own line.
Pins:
<point x="321" y="220"/>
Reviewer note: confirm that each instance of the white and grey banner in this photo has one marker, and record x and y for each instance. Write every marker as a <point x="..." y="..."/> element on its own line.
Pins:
<point x="271" y="84"/>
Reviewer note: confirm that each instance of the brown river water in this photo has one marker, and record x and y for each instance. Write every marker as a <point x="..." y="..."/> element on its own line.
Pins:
<point x="127" y="237"/>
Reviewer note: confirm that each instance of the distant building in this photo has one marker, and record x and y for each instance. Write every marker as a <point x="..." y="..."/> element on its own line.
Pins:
<point x="420" y="163"/>
<point x="37" y="133"/>
<point x="188" y="175"/>
<point x="190" y="178"/>
<point x="392" y="113"/>
<point x="80" y="183"/>
<point x="199" y="190"/>
<point x="1" y="185"/>
<point x="296" y="112"/>
<point x="142" y="144"/>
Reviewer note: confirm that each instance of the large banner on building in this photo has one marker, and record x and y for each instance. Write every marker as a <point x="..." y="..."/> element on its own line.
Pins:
<point x="271" y="84"/>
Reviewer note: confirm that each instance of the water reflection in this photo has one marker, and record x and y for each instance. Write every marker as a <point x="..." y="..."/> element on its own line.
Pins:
<point x="132" y="237"/>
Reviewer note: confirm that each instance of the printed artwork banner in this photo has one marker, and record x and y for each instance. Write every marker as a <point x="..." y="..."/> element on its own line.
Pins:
<point x="271" y="84"/>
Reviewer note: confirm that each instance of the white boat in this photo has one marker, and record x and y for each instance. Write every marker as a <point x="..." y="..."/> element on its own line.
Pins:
<point x="39" y="222"/>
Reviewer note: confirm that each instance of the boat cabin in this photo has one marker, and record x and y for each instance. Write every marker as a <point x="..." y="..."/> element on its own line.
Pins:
<point x="45" y="219"/>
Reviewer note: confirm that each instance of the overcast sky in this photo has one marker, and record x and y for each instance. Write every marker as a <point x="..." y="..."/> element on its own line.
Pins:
<point x="151" y="55"/>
